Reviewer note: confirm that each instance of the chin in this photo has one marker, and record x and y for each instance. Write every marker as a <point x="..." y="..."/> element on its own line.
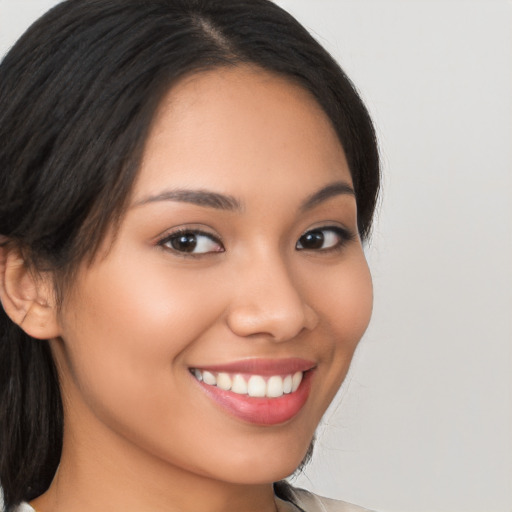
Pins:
<point x="268" y="466"/>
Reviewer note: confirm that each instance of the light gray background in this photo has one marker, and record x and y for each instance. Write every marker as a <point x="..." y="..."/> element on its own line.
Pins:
<point x="425" y="422"/>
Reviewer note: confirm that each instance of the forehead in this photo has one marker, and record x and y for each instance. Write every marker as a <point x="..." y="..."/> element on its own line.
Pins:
<point x="239" y="127"/>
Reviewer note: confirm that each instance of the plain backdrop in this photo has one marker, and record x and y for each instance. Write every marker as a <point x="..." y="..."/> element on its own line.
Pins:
<point x="424" y="421"/>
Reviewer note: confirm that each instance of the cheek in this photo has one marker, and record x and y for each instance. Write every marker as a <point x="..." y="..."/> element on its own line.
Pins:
<point x="145" y="308"/>
<point x="343" y="300"/>
<point x="356" y="301"/>
<point x="128" y="327"/>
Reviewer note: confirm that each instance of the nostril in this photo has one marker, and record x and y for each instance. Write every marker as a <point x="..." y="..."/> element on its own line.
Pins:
<point x="279" y="322"/>
<point x="267" y="301"/>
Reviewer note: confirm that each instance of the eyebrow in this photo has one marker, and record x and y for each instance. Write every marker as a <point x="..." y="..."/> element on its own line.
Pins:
<point x="334" y="189"/>
<point x="218" y="201"/>
<point x="198" y="197"/>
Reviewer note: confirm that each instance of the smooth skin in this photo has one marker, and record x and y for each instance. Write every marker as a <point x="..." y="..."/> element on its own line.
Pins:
<point x="277" y="271"/>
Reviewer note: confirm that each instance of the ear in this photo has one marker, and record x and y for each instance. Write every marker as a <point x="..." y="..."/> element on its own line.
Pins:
<point x="27" y="296"/>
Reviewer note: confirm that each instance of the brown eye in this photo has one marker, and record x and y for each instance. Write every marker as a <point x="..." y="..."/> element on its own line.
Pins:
<point x="323" y="239"/>
<point x="186" y="242"/>
<point x="192" y="242"/>
<point x="312" y="240"/>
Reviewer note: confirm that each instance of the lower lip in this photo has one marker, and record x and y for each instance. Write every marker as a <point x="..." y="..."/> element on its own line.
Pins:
<point x="262" y="411"/>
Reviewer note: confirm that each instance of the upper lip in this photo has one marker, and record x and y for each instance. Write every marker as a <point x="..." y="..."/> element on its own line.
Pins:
<point x="264" y="367"/>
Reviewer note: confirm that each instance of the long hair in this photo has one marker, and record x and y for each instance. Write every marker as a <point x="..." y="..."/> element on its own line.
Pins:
<point x="78" y="93"/>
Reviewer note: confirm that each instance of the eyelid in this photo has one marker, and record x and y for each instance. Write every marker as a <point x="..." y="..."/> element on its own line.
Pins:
<point x="166" y="238"/>
<point x="345" y="235"/>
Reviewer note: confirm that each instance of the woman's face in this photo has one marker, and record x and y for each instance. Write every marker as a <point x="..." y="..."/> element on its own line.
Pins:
<point x="237" y="262"/>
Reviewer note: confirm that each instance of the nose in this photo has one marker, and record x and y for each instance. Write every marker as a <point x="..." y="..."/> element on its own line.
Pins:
<point x="268" y="302"/>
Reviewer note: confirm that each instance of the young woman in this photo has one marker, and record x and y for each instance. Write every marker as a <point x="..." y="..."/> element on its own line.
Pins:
<point x="185" y="186"/>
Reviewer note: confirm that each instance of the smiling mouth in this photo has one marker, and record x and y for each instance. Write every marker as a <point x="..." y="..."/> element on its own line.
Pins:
<point x="258" y="391"/>
<point x="257" y="386"/>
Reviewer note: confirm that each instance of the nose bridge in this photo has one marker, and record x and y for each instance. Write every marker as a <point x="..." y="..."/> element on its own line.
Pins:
<point x="268" y="300"/>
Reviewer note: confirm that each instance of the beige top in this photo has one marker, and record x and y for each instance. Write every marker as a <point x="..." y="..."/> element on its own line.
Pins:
<point x="306" y="500"/>
<point x="309" y="502"/>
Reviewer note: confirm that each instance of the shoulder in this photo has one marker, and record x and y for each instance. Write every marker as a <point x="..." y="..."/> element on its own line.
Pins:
<point x="311" y="502"/>
<point x="23" y="507"/>
<point x="305" y="500"/>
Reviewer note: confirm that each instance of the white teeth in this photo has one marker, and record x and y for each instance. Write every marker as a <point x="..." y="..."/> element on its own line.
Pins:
<point x="239" y="385"/>
<point x="257" y="385"/>
<point x="287" y="384"/>
<point x="296" y="380"/>
<point x="275" y="386"/>
<point x="224" y="381"/>
<point x="209" y="378"/>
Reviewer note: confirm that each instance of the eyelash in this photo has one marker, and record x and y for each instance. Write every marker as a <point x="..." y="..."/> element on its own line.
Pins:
<point x="343" y="237"/>
<point x="167" y="241"/>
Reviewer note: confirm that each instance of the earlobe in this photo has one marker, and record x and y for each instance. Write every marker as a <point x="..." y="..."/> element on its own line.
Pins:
<point x="27" y="297"/>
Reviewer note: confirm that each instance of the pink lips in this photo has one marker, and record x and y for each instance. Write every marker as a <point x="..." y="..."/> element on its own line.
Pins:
<point x="262" y="411"/>
<point x="263" y="366"/>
